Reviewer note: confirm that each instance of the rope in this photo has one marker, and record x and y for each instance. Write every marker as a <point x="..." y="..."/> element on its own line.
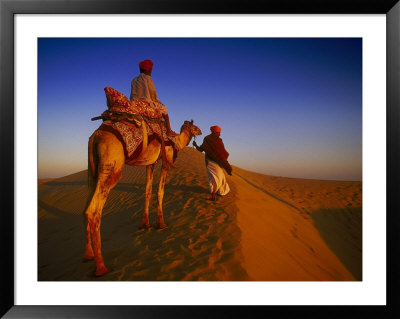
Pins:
<point x="194" y="140"/>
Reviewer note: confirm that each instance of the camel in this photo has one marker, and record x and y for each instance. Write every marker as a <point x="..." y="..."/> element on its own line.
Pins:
<point x="106" y="160"/>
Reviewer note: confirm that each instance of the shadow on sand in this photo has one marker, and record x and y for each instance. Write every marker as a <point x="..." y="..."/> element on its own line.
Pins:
<point x="336" y="226"/>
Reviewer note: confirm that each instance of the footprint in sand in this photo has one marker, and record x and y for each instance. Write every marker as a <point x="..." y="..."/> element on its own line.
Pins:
<point x="188" y="202"/>
<point x="225" y="257"/>
<point x="222" y="218"/>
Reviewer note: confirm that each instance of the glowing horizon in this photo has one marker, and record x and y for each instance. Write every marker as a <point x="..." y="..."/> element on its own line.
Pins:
<point x="287" y="106"/>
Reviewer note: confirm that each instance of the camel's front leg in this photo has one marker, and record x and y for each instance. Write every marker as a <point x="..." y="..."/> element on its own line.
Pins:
<point x="160" y="216"/>
<point x="149" y="185"/>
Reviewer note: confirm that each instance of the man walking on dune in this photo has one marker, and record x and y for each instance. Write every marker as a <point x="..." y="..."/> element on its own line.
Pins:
<point x="216" y="159"/>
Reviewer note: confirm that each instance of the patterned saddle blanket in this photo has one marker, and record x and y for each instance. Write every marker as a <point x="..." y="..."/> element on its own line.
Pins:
<point x="131" y="136"/>
<point x="118" y="102"/>
<point x="124" y="119"/>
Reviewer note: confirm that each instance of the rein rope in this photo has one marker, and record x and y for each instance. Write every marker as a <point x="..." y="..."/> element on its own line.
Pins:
<point x="194" y="140"/>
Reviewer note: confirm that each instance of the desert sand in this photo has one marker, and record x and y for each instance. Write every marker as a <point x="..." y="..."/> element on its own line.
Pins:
<point x="267" y="228"/>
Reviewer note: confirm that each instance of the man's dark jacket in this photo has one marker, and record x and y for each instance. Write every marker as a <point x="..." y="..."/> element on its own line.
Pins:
<point x="215" y="150"/>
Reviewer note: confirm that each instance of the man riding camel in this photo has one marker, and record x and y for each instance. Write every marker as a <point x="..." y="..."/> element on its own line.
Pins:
<point x="143" y="88"/>
<point x="216" y="157"/>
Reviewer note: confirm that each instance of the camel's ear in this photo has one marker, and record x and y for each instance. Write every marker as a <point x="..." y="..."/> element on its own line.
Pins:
<point x="191" y="121"/>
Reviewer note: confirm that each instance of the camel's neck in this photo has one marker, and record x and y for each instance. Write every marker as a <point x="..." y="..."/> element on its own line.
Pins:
<point x="183" y="139"/>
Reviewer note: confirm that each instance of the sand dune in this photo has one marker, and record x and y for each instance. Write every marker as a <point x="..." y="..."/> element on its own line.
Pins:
<point x="266" y="228"/>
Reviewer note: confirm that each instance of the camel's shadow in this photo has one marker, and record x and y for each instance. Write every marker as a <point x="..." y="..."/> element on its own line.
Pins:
<point x="145" y="253"/>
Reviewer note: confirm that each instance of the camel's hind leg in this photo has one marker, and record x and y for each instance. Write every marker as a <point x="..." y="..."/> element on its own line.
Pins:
<point x="149" y="184"/>
<point x="89" y="255"/>
<point x="108" y="171"/>
<point x="161" y="185"/>
<point x="92" y="175"/>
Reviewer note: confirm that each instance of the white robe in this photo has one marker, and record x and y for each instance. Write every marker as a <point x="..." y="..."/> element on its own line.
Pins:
<point x="142" y="88"/>
<point x="216" y="178"/>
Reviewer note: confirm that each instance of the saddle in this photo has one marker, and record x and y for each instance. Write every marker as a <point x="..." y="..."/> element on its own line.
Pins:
<point x="118" y="102"/>
<point x="125" y="118"/>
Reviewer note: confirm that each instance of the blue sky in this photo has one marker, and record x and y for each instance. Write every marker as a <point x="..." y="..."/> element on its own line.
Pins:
<point x="287" y="106"/>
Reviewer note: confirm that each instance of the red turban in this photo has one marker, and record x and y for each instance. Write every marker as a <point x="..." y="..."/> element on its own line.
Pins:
<point x="146" y="65"/>
<point x="215" y="129"/>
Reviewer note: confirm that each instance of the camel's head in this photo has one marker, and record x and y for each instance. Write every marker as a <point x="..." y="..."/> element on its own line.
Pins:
<point x="193" y="129"/>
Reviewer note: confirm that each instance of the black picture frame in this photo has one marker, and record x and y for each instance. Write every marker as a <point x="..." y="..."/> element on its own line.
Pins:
<point x="8" y="9"/>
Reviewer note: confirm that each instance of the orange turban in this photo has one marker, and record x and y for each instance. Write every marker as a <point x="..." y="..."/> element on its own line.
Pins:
<point x="215" y="129"/>
<point x="146" y="65"/>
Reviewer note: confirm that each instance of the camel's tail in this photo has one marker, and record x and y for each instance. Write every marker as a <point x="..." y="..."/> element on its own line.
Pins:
<point x="92" y="159"/>
<point x="92" y="170"/>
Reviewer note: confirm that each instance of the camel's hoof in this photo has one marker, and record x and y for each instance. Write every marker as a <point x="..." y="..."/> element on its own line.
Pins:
<point x="161" y="226"/>
<point x="87" y="258"/>
<point x="145" y="226"/>
<point x="102" y="271"/>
